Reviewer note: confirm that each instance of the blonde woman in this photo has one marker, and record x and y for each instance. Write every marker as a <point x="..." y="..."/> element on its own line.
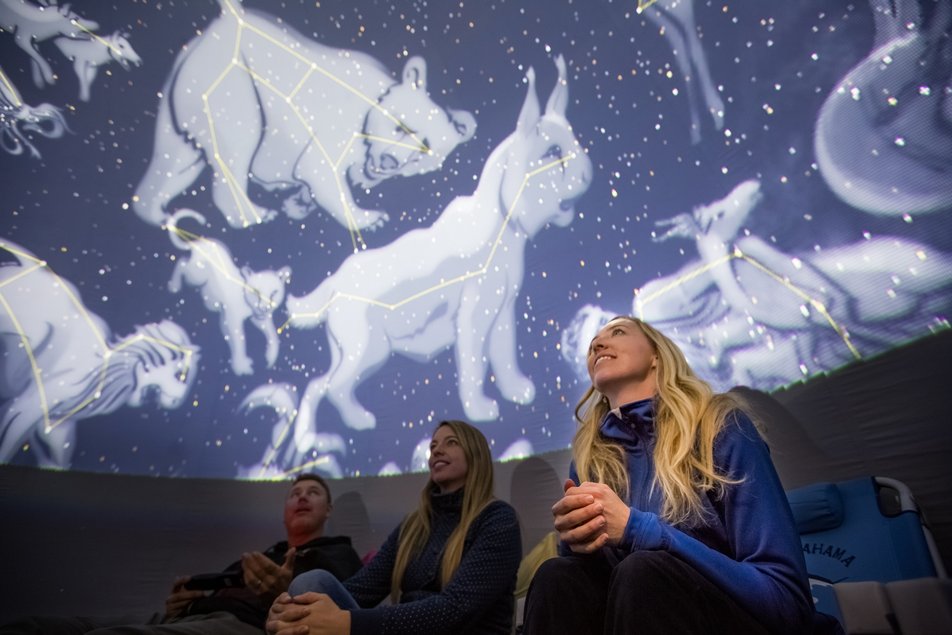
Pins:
<point x="450" y="567"/>
<point x="674" y="519"/>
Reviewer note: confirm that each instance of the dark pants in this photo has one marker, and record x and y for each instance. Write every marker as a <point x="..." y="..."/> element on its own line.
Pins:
<point x="219" y="623"/>
<point x="648" y="592"/>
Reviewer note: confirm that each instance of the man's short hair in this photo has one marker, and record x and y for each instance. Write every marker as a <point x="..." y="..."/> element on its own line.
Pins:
<point x="311" y="476"/>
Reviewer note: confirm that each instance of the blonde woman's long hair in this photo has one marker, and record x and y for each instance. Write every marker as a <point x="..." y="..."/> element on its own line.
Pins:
<point x="688" y="417"/>
<point x="477" y="493"/>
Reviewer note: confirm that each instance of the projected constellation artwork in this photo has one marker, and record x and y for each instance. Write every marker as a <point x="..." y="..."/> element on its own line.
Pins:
<point x="461" y="289"/>
<point x="884" y="135"/>
<point x="676" y="19"/>
<point x="62" y="364"/>
<point x="257" y="102"/>
<point x="89" y="54"/>
<point x="753" y="315"/>
<point x="72" y="34"/>
<point x="19" y="119"/>
<point x="237" y="295"/>
<point x="31" y="24"/>
<point x="709" y="136"/>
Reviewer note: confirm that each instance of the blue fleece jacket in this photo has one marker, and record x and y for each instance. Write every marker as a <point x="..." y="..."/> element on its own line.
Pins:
<point x="478" y="598"/>
<point x="749" y="545"/>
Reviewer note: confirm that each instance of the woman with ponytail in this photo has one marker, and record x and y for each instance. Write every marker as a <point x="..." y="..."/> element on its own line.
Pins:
<point x="450" y="567"/>
<point x="674" y="519"/>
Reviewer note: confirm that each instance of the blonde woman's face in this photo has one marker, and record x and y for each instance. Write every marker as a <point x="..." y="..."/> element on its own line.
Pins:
<point x="448" y="466"/>
<point x="622" y="363"/>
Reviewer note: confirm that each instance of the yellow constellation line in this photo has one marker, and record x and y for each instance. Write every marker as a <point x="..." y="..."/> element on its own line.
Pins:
<point x="245" y="208"/>
<point x="215" y="255"/>
<point x="644" y="4"/>
<point x="390" y="306"/>
<point x="738" y="254"/>
<point x="36" y="371"/>
<point x="11" y="89"/>
<point x="109" y="45"/>
<point x="273" y="450"/>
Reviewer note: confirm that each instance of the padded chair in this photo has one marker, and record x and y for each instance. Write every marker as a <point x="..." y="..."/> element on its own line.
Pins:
<point x="860" y="539"/>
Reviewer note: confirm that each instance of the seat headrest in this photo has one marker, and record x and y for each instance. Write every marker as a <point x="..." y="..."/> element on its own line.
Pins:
<point x="816" y="507"/>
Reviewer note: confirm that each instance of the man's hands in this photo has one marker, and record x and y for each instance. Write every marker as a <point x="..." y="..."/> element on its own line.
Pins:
<point x="590" y="516"/>
<point x="264" y="577"/>
<point x="307" y="614"/>
<point x="180" y="598"/>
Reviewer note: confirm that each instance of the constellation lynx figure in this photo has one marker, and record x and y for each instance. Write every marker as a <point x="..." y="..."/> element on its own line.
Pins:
<point x="465" y="277"/>
<point x="60" y="364"/>
<point x="325" y="119"/>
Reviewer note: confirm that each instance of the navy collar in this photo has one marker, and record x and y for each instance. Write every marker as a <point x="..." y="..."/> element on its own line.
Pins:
<point x="446" y="502"/>
<point x="634" y="413"/>
<point x="629" y="422"/>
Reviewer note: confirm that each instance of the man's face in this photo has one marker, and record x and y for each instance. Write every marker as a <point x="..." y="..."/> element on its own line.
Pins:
<point x="306" y="508"/>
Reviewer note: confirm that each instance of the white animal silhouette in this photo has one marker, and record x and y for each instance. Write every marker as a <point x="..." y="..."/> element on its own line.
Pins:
<point x="766" y="317"/>
<point x="454" y="284"/>
<point x="60" y="363"/>
<point x="18" y="118"/>
<point x="260" y="103"/>
<point x="676" y="18"/>
<point x="236" y="294"/>
<point x="883" y="137"/>
<point x="31" y="24"/>
<point x="282" y="399"/>
<point x="88" y="54"/>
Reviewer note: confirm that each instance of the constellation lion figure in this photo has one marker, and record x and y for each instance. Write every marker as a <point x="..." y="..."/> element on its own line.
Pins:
<point x="261" y="104"/>
<point x="455" y="283"/>
<point x="59" y="362"/>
